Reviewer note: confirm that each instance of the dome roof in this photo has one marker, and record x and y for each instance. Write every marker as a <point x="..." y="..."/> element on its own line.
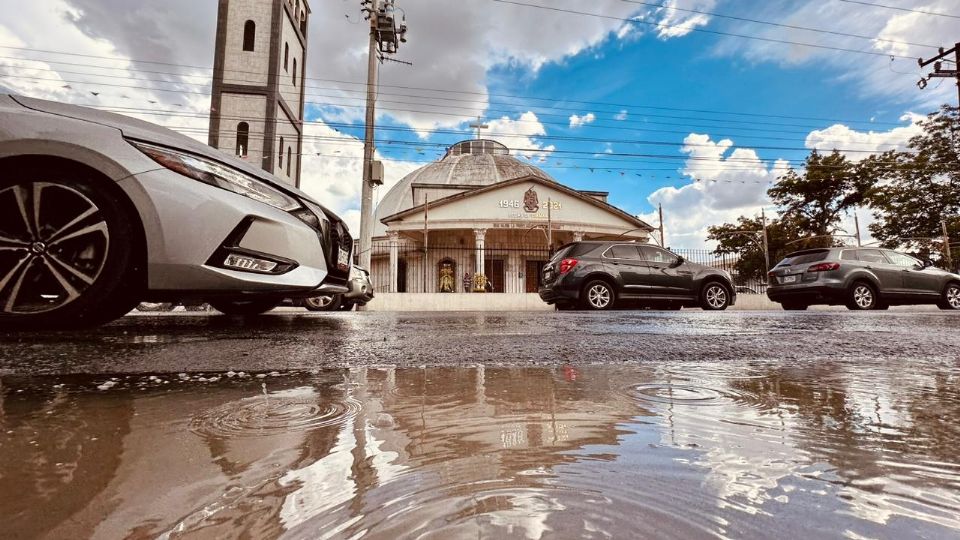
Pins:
<point x="475" y="163"/>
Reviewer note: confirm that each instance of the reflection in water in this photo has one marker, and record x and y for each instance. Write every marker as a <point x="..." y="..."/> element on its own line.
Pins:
<point x="672" y="450"/>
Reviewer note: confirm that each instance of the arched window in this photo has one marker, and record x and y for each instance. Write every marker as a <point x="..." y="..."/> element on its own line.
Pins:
<point x="294" y="71"/>
<point x="286" y="56"/>
<point x="243" y="138"/>
<point x="249" y="35"/>
<point x="280" y="153"/>
<point x="288" y="161"/>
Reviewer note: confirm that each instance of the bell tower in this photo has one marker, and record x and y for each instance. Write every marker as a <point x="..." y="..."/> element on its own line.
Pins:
<point x="256" y="110"/>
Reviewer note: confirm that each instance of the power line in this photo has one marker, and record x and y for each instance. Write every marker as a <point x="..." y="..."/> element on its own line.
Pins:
<point x="781" y="25"/>
<point x="702" y="30"/>
<point x="898" y="8"/>
<point x="404" y="87"/>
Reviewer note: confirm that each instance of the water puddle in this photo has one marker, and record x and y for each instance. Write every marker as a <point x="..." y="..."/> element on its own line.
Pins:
<point x="666" y="451"/>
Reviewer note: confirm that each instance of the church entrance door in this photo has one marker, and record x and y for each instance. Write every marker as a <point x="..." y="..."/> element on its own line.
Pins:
<point x="493" y="269"/>
<point x="534" y="273"/>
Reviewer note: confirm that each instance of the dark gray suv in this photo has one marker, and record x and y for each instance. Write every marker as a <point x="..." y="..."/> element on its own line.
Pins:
<point x="861" y="279"/>
<point x="596" y="274"/>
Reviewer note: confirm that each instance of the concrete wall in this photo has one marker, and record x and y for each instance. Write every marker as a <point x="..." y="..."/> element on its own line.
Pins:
<point x="245" y="67"/>
<point x="289" y="91"/>
<point x="287" y="132"/>
<point x="252" y="109"/>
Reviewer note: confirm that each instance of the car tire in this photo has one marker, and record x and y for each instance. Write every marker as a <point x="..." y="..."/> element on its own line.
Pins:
<point x="323" y="302"/>
<point x="714" y="296"/>
<point x="69" y="256"/>
<point x="951" y="297"/>
<point x="862" y="296"/>
<point x="789" y="306"/>
<point x="598" y="295"/>
<point x="244" y="308"/>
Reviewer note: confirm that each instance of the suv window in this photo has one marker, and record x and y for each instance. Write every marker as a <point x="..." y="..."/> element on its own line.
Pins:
<point x="804" y="257"/>
<point x="652" y="254"/>
<point x="872" y="256"/>
<point x="849" y="255"/>
<point x="900" y="259"/>
<point x="623" y="252"/>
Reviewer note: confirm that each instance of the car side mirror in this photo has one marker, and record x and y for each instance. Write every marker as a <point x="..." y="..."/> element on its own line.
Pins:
<point x="927" y="263"/>
<point x="680" y="260"/>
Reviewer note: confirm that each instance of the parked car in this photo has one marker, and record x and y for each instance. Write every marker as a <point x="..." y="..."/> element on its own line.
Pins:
<point x="361" y="292"/>
<point x="596" y="275"/>
<point x="861" y="279"/>
<point x="99" y="212"/>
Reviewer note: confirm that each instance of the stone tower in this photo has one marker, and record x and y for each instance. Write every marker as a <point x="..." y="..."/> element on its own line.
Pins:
<point x="256" y="111"/>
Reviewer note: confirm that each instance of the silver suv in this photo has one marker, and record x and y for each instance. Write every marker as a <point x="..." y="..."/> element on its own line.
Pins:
<point x="861" y="279"/>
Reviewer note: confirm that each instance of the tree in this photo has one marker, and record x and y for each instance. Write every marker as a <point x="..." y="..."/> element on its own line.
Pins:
<point x="735" y="238"/>
<point x="917" y="189"/>
<point x="817" y="198"/>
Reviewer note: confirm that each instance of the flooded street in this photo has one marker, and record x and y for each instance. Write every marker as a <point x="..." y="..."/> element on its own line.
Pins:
<point x="686" y="446"/>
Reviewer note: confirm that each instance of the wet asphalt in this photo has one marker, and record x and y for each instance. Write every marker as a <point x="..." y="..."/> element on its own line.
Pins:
<point x="293" y="341"/>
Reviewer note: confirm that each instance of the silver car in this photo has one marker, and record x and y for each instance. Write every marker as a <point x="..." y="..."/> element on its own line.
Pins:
<point x="99" y="212"/>
<point x="861" y="279"/>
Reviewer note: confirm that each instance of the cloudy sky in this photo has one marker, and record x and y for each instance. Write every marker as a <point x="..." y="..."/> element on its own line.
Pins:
<point x="696" y="104"/>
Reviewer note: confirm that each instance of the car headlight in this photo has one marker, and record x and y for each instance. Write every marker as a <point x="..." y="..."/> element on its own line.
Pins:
<point x="215" y="174"/>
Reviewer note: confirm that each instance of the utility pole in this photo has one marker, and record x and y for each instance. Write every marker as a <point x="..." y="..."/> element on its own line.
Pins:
<point x="856" y="223"/>
<point x="660" y="210"/>
<point x="549" y="225"/>
<point x="938" y="71"/>
<point x="386" y="34"/>
<point x="946" y="245"/>
<point x="766" y="244"/>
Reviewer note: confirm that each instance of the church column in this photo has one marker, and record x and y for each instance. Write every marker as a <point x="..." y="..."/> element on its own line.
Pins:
<point x="394" y="259"/>
<point x="480" y="236"/>
<point x="578" y="236"/>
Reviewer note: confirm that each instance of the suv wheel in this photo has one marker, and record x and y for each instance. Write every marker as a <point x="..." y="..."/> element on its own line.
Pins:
<point x="714" y="297"/>
<point x="951" y="297"/>
<point x="598" y="296"/>
<point x="245" y="308"/>
<point x="862" y="297"/>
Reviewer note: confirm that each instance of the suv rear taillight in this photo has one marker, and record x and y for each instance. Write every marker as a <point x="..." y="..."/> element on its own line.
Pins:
<point x="824" y="267"/>
<point x="567" y="265"/>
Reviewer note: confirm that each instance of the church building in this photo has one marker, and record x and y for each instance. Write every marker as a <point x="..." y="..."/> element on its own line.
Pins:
<point x="480" y="210"/>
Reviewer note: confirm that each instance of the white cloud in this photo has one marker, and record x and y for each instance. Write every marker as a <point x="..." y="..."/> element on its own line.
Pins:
<point x="621" y="116"/>
<point x="864" y="142"/>
<point x="723" y="183"/>
<point x="521" y="134"/>
<point x="577" y="120"/>
<point x="675" y="23"/>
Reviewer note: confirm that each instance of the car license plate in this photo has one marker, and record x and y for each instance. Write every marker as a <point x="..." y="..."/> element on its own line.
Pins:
<point x="343" y="259"/>
<point x="789" y="279"/>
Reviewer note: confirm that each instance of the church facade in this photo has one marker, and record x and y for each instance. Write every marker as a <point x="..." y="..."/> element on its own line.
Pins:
<point x="481" y="211"/>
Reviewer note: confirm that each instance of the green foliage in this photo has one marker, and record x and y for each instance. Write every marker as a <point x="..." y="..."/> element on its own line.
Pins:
<point x="916" y="189"/>
<point x="745" y="239"/>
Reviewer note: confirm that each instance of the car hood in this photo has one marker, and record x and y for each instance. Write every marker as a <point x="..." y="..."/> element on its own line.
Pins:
<point x="141" y="130"/>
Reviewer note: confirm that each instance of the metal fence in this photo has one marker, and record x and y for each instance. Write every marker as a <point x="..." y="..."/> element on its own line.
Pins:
<point x="451" y="268"/>
<point x="509" y="269"/>
<point x="728" y="262"/>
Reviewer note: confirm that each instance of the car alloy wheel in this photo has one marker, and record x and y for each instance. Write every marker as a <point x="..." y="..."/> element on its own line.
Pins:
<point x="323" y="302"/>
<point x="861" y="297"/>
<point x="715" y="297"/>
<point x="54" y="246"/>
<point x="951" y="297"/>
<point x="598" y="296"/>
